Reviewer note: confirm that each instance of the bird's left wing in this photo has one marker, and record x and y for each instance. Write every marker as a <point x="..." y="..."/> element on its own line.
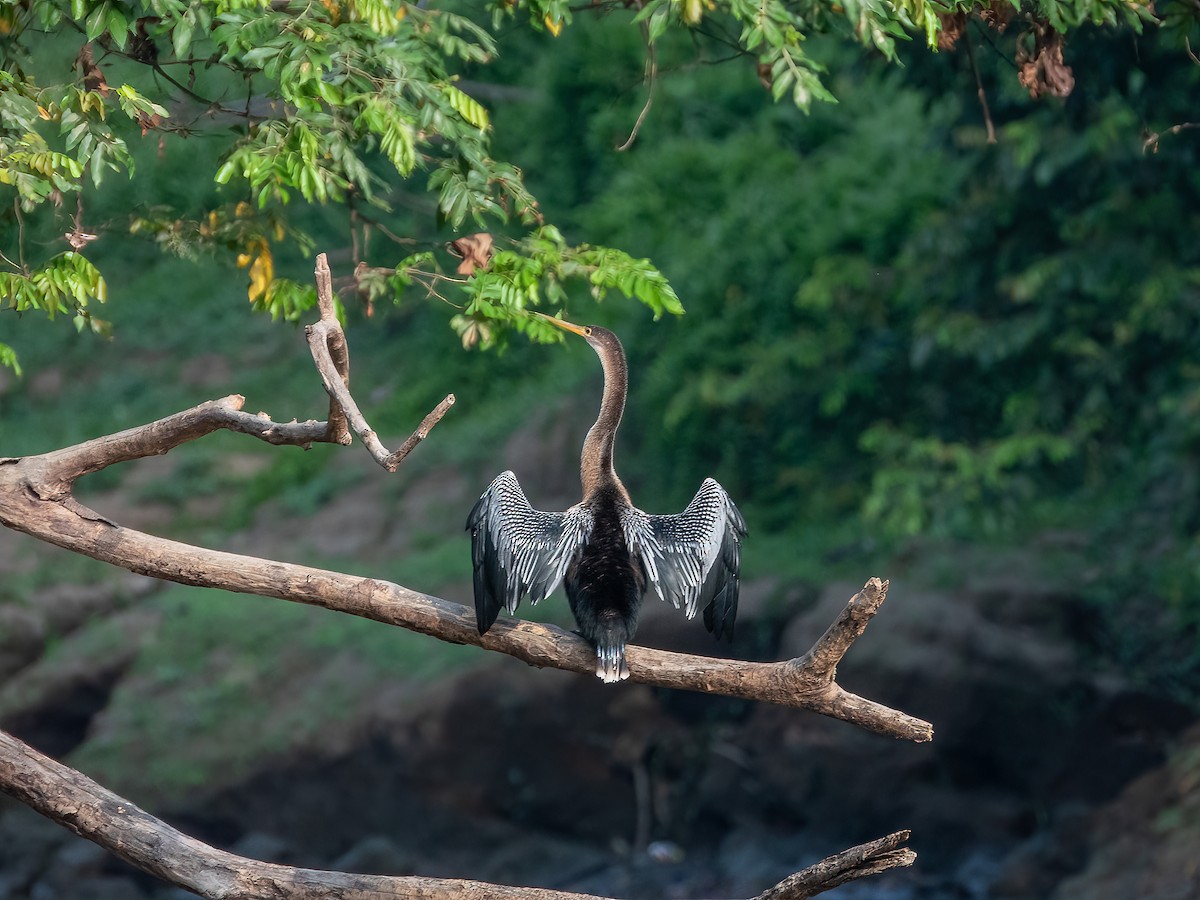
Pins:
<point x="518" y="550"/>
<point x="693" y="558"/>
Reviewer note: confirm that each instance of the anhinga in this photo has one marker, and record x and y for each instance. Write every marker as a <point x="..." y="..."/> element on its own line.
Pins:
<point x="604" y="548"/>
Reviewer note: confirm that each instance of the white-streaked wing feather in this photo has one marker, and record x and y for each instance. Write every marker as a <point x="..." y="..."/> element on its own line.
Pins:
<point x="517" y="550"/>
<point x="693" y="558"/>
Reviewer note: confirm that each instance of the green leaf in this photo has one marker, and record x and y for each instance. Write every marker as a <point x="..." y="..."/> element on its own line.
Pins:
<point x="658" y="23"/>
<point x="181" y="35"/>
<point x="225" y="172"/>
<point x="8" y="359"/>
<point x="118" y="25"/>
<point x="467" y="107"/>
<point x="97" y="22"/>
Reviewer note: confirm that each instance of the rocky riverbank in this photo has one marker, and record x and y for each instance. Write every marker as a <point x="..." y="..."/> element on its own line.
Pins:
<point x="1046" y="779"/>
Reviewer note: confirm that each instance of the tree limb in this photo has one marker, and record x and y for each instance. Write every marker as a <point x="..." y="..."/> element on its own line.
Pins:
<point x="36" y="498"/>
<point x="121" y="827"/>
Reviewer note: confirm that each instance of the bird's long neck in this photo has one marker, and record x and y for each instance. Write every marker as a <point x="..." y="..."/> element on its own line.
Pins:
<point x="596" y="462"/>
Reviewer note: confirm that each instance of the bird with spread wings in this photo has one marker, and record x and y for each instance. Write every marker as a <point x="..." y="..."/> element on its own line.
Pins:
<point x="604" y="550"/>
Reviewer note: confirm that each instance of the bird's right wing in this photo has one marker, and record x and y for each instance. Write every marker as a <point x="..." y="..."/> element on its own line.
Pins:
<point x="518" y="550"/>
<point x="693" y="558"/>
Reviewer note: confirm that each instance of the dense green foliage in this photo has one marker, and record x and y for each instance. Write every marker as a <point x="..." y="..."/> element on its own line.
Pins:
<point x="329" y="102"/>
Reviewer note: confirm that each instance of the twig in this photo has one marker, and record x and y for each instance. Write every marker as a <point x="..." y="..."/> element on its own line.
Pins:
<point x="388" y="233"/>
<point x="121" y="827"/>
<point x="983" y="103"/>
<point x="990" y="41"/>
<point x="422" y="432"/>
<point x="1151" y="141"/>
<point x="20" y="234"/>
<point x="652" y="80"/>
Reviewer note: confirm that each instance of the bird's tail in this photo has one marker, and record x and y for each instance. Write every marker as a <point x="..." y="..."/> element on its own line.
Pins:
<point x="610" y="663"/>
<point x="610" y="649"/>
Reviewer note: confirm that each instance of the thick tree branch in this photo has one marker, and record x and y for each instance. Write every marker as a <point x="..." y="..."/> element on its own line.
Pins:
<point x="75" y="801"/>
<point x="35" y="498"/>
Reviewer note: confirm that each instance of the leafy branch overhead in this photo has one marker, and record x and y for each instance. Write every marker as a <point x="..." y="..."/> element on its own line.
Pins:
<point x="359" y="103"/>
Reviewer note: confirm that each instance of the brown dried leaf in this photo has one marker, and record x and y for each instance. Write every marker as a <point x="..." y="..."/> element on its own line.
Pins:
<point x="953" y="27"/>
<point x="765" y="76"/>
<point x="475" y="250"/>
<point x="148" y="123"/>
<point x="997" y="14"/>
<point x="1042" y="71"/>
<point x="79" y="239"/>
<point x="93" y="78"/>
<point x="141" y="45"/>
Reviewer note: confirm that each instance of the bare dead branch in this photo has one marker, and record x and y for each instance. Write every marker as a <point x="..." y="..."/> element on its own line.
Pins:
<point x="35" y="498"/>
<point x="1151" y="141"/>
<point x="849" y="865"/>
<point x="331" y="354"/>
<point x="422" y="432"/>
<point x="329" y="332"/>
<point x="121" y="827"/>
<point x="827" y="652"/>
<point x="57" y="471"/>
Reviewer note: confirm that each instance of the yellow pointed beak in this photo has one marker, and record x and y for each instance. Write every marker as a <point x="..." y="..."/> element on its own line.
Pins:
<point x="564" y="325"/>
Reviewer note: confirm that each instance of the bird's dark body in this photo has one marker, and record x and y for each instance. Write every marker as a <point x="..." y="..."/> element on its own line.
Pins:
<point x="606" y="583"/>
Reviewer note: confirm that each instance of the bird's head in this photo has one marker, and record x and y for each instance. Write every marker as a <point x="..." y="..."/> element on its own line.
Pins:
<point x="601" y="339"/>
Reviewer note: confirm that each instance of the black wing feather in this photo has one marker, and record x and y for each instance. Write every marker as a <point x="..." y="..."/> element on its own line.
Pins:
<point x="517" y="550"/>
<point x="693" y="558"/>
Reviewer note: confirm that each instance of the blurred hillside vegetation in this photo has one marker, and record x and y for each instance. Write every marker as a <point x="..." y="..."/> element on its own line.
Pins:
<point x="897" y="334"/>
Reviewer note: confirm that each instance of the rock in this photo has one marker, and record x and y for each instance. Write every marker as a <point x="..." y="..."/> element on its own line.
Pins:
<point x="751" y="858"/>
<point x="27" y="844"/>
<point x="264" y="848"/>
<point x="104" y="887"/>
<point x="375" y="854"/>
<point x="74" y="869"/>
<point x="22" y="637"/>
<point x="1144" y="843"/>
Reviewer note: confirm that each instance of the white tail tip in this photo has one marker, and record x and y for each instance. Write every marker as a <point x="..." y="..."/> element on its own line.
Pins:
<point x="610" y="664"/>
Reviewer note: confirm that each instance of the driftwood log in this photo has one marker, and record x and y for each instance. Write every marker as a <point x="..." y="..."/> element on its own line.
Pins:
<point x="36" y="497"/>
